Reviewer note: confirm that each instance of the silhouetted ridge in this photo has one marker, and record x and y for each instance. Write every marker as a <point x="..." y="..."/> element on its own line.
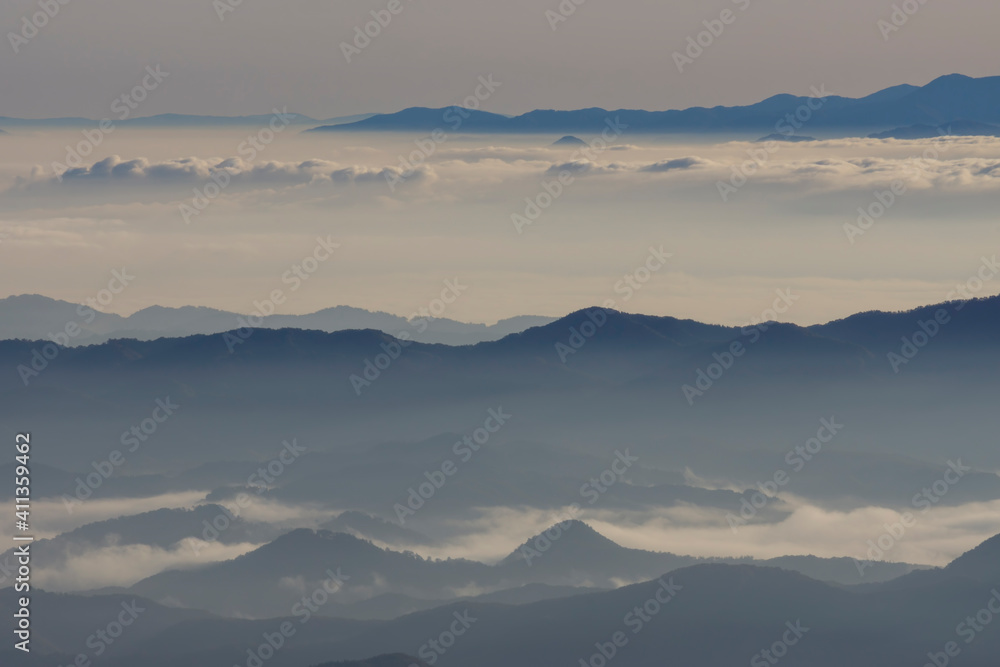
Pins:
<point x="568" y="537"/>
<point x="981" y="563"/>
<point x="943" y="100"/>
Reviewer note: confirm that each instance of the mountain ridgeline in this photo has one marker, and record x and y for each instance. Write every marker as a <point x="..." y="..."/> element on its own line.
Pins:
<point x="681" y="613"/>
<point x="871" y="372"/>
<point x="942" y="101"/>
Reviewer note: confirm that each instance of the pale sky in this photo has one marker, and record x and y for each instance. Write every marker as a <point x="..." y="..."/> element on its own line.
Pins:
<point x="619" y="54"/>
<point x="452" y="219"/>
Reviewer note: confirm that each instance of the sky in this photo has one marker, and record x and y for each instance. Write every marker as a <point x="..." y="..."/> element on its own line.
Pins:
<point x="232" y="58"/>
<point x="643" y="227"/>
<point x="454" y="218"/>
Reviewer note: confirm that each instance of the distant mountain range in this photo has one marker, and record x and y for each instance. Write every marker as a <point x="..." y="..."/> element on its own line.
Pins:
<point x="961" y="102"/>
<point x="966" y="128"/>
<point x="630" y="373"/>
<point x="720" y="615"/>
<point x="701" y="616"/>
<point x="579" y="557"/>
<point x="35" y="317"/>
<point x="787" y="138"/>
<point x="942" y="101"/>
<point x="174" y="120"/>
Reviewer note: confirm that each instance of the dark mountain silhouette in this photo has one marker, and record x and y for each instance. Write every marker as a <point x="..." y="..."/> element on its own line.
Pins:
<point x="957" y="128"/>
<point x="788" y="138"/>
<point x="969" y="326"/>
<point x="163" y="528"/>
<point x="628" y="373"/>
<point x="306" y="556"/>
<point x="69" y="620"/>
<point x="178" y="120"/>
<point x="981" y="563"/>
<point x="574" y="547"/>
<point x="467" y="120"/>
<point x="980" y="566"/>
<point x="750" y="607"/>
<point x="383" y="583"/>
<point x="681" y="614"/>
<point x="941" y="101"/>
<point x="569" y="141"/>
<point x="163" y="636"/>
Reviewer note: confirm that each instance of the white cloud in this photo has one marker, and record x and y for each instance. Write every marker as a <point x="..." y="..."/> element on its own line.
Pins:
<point x="126" y="565"/>
<point x="938" y="536"/>
<point x="495" y="168"/>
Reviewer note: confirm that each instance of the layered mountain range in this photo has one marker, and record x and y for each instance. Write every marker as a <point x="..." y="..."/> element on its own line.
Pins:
<point x="571" y="386"/>
<point x="36" y="317"/>
<point x="682" y="612"/>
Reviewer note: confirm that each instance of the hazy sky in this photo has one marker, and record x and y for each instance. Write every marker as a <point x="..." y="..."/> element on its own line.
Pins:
<point x="612" y="54"/>
<point x="452" y="218"/>
<point x="783" y="229"/>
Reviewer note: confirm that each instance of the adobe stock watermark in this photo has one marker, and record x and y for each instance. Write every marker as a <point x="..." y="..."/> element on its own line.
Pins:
<point x="261" y="480"/>
<point x="899" y="17"/>
<point x="779" y="649"/>
<point x="248" y="150"/>
<point x="464" y="450"/>
<point x="223" y="7"/>
<point x="87" y="313"/>
<point x="714" y="29"/>
<point x="868" y="215"/>
<point x="436" y="647"/>
<point x="636" y="620"/>
<point x="929" y="497"/>
<point x="592" y="490"/>
<point x="759" y="157"/>
<point x="927" y="330"/>
<point x="104" y="637"/>
<point x="551" y="190"/>
<point x="705" y="378"/>
<point x="797" y="459"/>
<point x="969" y="629"/>
<point x="886" y="199"/>
<point x="454" y="117"/>
<point x="563" y="11"/>
<point x="392" y="350"/>
<point x="629" y="284"/>
<point x="919" y="339"/>
<point x="131" y="441"/>
<point x="122" y="107"/>
<point x="364" y="35"/>
<point x="33" y="23"/>
<point x="294" y="277"/>
<point x="303" y="610"/>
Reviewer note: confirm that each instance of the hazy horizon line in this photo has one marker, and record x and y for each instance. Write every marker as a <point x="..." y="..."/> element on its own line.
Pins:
<point x="490" y="323"/>
<point x="498" y="113"/>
